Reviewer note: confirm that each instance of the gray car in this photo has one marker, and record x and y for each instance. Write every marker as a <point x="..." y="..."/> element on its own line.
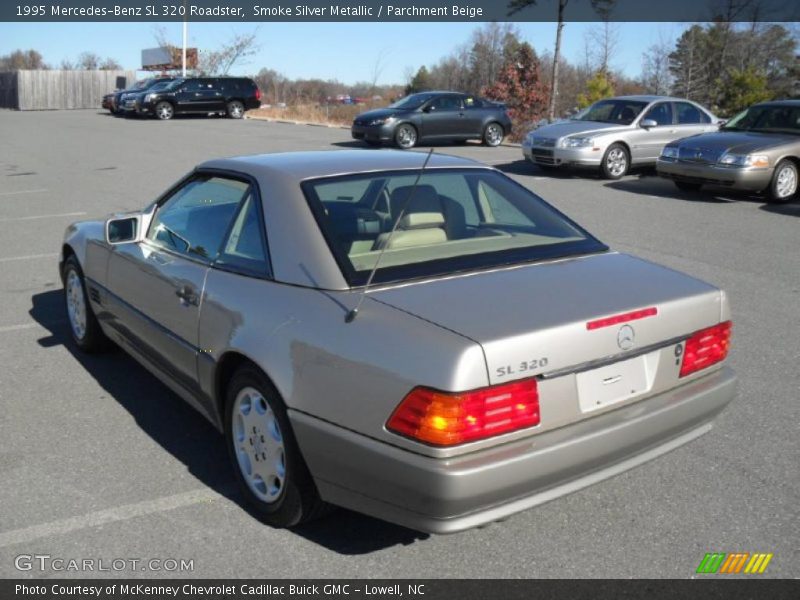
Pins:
<point x="436" y="347"/>
<point x="757" y="151"/>
<point x="616" y="133"/>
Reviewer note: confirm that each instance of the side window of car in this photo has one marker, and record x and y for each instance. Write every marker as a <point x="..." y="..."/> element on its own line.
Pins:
<point x="245" y="247"/>
<point x="194" y="220"/>
<point x="661" y="113"/>
<point x="472" y="102"/>
<point x="446" y="103"/>
<point x="497" y="209"/>
<point x="689" y="114"/>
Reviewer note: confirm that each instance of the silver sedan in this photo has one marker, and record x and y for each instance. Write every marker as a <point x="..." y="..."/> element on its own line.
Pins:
<point x="417" y="338"/>
<point x="617" y="133"/>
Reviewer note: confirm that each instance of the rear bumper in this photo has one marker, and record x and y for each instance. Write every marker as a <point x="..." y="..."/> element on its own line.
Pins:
<point x="449" y="495"/>
<point x="751" y="180"/>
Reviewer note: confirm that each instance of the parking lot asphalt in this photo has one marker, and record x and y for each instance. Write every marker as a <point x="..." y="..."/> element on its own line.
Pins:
<point x="98" y="460"/>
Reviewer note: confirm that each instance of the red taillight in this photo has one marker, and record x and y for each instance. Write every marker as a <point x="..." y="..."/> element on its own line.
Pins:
<point x="258" y="94"/>
<point x="622" y="318"/>
<point x="705" y="348"/>
<point x="447" y="419"/>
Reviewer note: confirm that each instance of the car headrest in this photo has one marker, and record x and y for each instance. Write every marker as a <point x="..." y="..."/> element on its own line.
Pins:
<point x="421" y="220"/>
<point x="424" y="200"/>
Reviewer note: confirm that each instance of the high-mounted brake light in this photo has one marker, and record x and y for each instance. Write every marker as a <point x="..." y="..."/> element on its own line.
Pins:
<point x="634" y="315"/>
<point x="447" y="419"/>
<point x="705" y="348"/>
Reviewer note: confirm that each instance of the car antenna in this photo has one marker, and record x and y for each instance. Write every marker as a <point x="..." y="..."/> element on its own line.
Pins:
<point x="353" y="313"/>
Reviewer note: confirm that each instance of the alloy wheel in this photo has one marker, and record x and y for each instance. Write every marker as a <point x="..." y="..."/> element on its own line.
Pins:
<point x="258" y="444"/>
<point x="617" y="162"/>
<point x="76" y="304"/>
<point x="786" y="182"/>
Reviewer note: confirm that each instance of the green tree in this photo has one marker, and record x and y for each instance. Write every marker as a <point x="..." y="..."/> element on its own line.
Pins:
<point x="741" y="89"/>
<point x="598" y="87"/>
<point x="421" y="82"/>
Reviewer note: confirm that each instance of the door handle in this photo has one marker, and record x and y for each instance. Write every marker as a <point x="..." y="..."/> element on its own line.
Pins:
<point x="188" y="295"/>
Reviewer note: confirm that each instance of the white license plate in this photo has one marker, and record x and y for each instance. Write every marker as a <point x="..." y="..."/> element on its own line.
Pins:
<point x="612" y="383"/>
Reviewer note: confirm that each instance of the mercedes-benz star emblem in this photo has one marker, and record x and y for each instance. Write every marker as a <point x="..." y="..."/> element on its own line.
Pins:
<point x="625" y="337"/>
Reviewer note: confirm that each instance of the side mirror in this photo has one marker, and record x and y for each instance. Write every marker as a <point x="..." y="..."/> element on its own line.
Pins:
<point x="123" y="230"/>
<point x="648" y="123"/>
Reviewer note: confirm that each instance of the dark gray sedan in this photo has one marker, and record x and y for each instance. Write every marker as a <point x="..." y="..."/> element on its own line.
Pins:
<point x="434" y="117"/>
<point x="757" y="151"/>
<point x="440" y="348"/>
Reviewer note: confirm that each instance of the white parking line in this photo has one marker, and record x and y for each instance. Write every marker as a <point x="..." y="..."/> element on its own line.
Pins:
<point x="28" y="257"/>
<point x="23" y="192"/>
<point x="20" y="327"/>
<point x="102" y="517"/>
<point x="54" y="216"/>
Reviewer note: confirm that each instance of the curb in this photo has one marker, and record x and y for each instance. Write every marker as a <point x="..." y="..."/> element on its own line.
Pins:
<point x="327" y="126"/>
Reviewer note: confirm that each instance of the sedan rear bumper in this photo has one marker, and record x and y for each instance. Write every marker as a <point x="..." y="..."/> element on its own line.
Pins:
<point x="751" y="180"/>
<point x="449" y="495"/>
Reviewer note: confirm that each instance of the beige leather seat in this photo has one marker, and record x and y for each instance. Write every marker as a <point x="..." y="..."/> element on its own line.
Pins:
<point x="414" y="229"/>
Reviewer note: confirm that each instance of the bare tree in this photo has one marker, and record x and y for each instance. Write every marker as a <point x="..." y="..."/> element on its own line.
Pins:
<point x="377" y="68"/>
<point x="236" y="51"/>
<point x="656" y="76"/>
<point x="605" y="41"/>
<point x="22" y="59"/>
<point x="88" y="61"/>
<point x="109" y="64"/>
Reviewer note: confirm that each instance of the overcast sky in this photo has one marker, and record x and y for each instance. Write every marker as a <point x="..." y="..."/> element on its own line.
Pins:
<point x="344" y="51"/>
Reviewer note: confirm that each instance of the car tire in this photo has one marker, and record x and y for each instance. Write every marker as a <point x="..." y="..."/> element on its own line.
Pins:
<point x="235" y="109"/>
<point x="783" y="186"/>
<point x="266" y="459"/>
<point x="164" y="111"/>
<point x="83" y="325"/>
<point x="405" y="136"/>
<point x="616" y="162"/>
<point x="493" y="135"/>
<point x="687" y="186"/>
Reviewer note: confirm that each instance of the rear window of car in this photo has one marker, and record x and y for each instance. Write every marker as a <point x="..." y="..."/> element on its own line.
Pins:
<point x="451" y="220"/>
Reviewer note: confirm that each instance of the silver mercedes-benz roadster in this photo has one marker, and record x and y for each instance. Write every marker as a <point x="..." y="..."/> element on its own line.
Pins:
<point x="413" y="336"/>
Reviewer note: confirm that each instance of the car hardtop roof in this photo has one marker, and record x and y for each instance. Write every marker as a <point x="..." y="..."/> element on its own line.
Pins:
<point x="299" y="166"/>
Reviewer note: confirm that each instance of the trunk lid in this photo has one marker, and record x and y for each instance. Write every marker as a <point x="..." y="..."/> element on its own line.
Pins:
<point x="532" y="320"/>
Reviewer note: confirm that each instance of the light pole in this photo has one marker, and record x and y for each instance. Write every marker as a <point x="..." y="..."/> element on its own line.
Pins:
<point x="185" y="31"/>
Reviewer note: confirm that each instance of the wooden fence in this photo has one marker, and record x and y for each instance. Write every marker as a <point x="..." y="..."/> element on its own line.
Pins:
<point x="53" y="90"/>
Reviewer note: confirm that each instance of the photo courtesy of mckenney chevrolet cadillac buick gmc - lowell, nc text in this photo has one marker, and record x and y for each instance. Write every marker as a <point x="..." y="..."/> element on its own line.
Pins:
<point x="416" y="337"/>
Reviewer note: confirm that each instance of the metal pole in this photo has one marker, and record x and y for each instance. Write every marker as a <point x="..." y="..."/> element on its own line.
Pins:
<point x="185" y="31"/>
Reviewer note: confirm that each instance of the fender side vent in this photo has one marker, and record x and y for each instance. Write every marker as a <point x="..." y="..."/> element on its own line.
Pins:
<point x="94" y="294"/>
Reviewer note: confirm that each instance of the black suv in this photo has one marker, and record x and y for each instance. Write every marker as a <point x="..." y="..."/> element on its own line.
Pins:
<point x="229" y="95"/>
<point x="114" y="101"/>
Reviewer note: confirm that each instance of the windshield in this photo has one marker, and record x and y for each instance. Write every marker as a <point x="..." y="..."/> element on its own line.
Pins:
<point x="768" y="118"/>
<point x="457" y="220"/>
<point x="620" y="112"/>
<point x="411" y="102"/>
